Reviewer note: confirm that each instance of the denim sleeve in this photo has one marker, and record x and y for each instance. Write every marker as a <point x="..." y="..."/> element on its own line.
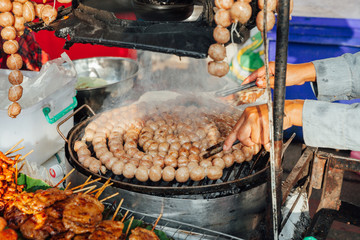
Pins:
<point x="338" y="78"/>
<point x="331" y="125"/>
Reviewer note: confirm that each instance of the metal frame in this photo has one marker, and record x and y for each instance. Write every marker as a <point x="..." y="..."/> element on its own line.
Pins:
<point x="331" y="208"/>
<point x="324" y="170"/>
<point x="179" y="230"/>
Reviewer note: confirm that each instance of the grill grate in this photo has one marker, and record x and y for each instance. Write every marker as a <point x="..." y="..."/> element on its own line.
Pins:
<point x="177" y="230"/>
<point x="236" y="171"/>
<point x="237" y="178"/>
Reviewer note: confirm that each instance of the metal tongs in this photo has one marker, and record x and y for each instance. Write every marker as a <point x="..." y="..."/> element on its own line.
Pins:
<point x="211" y="151"/>
<point x="227" y="92"/>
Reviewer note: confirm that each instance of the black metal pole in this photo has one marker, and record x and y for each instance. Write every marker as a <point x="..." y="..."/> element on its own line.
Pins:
<point x="282" y="34"/>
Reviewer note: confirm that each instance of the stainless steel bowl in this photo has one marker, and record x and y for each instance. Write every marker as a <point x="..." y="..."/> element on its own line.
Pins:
<point x="120" y="75"/>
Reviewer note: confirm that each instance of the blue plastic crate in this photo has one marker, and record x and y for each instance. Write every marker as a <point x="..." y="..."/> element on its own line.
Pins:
<point x="311" y="39"/>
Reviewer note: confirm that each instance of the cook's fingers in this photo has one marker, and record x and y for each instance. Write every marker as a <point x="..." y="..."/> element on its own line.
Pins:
<point x="255" y="75"/>
<point x="244" y="135"/>
<point x="261" y="82"/>
<point x="267" y="146"/>
<point x="255" y="134"/>
<point x="233" y="135"/>
<point x="247" y="141"/>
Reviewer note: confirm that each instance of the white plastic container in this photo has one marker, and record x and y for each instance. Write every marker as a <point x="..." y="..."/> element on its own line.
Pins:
<point x="31" y="124"/>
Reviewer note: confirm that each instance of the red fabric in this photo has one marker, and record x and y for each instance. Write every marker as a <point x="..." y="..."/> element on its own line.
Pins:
<point x="54" y="45"/>
<point x="32" y="55"/>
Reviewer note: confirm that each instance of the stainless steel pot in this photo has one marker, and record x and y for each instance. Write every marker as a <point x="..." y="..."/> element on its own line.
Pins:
<point x="119" y="73"/>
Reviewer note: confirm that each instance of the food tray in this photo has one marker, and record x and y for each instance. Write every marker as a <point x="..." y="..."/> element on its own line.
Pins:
<point x="178" y="230"/>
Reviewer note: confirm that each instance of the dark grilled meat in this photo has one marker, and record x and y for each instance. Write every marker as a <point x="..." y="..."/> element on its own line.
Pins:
<point x="33" y="203"/>
<point x="142" y="234"/>
<point x="15" y="217"/>
<point x="63" y="236"/>
<point x="82" y="214"/>
<point x="107" y="230"/>
<point x="29" y="231"/>
<point x="84" y="236"/>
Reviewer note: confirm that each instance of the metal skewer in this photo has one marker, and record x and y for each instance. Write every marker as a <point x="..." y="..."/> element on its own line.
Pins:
<point x="227" y="92"/>
<point x="211" y="151"/>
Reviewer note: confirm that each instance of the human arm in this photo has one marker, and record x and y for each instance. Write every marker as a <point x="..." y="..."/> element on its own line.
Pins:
<point x="253" y="125"/>
<point x="338" y="78"/>
<point x="331" y="125"/>
<point x="296" y="74"/>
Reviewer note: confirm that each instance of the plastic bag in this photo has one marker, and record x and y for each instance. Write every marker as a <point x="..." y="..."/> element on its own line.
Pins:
<point x="39" y="85"/>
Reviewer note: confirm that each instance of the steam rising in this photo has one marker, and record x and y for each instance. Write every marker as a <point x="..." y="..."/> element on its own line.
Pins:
<point x="170" y="73"/>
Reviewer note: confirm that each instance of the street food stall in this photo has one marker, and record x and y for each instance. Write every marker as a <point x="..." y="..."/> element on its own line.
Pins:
<point x="146" y="162"/>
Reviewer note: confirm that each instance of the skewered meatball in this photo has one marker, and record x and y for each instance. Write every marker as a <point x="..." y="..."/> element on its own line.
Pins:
<point x="182" y="174"/>
<point x="205" y="163"/>
<point x="142" y="174"/>
<point x="175" y="146"/>
<point x="214" y="172"/>
<point x="192" y="165"/>
<point x="183" y="152"/>
<point x="158" y="161"/>
<point x="187" y="145"/>
<point x="182" y="161"/>
<point x="83" y="151"/>
<point x="194" y="151"/>
<point x="95" y="166"/>
<point x="119" y="153"/>
<point x="106" y="157"/>
<point x="194" y="158"/>
<point x="197" y="173"/>
<point x="248" y="152"/>
<point x="129" y="170"/>
<point x="155" y="173"/>
<point x="228" y="159"/>
<point x="110" y="162"/>
<point x="145" y="163"/>
<point x="134" y="161"/>
<point x="162" y="154"/>
<point x="239" y="156"/>
<point x="101" y="151"/>
<point x="219" y="162"/>
<point x="173" y="153"/>
<point x="168" y="174"/>
<point x="171" y="161"/>
<point x="118" y="167"/>
<point x="78" y="145"/>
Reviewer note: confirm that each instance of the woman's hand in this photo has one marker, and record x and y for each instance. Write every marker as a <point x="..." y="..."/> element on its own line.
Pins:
<point x="296" y="74"/>
<point x="253" y="125"/>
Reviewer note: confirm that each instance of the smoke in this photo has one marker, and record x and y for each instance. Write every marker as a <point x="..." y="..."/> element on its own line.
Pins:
<point x="170" y="73"/>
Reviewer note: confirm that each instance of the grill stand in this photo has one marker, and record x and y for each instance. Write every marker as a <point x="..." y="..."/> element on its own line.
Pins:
<point x="324" y="170"/>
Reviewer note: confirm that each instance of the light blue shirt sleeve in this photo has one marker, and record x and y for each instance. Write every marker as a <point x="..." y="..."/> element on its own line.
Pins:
<point x="334" y="125"/>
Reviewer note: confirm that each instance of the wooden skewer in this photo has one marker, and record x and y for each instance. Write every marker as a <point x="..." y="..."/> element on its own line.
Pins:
<point x="127" y="212"/>
<point x="90" y="189"/>
<point x="18" y="149"/>
<point x="66" y="176"/>
<point x="102" y="200"/>
<point x="67" y="186"/>
<point x="84" y="184"/>
<point x="23" y="157"/>
<point x="96" y="190"/>
<point x="21" y="167"/>
<point x="128" y="229"/>
<point x="117" y="210"/>
<point x="16" y="172"/>
<point x="157" y="220"/>
<point x="102" y="188"/>
<point x="8" y="151"/>
<point x="84" y="189"/>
